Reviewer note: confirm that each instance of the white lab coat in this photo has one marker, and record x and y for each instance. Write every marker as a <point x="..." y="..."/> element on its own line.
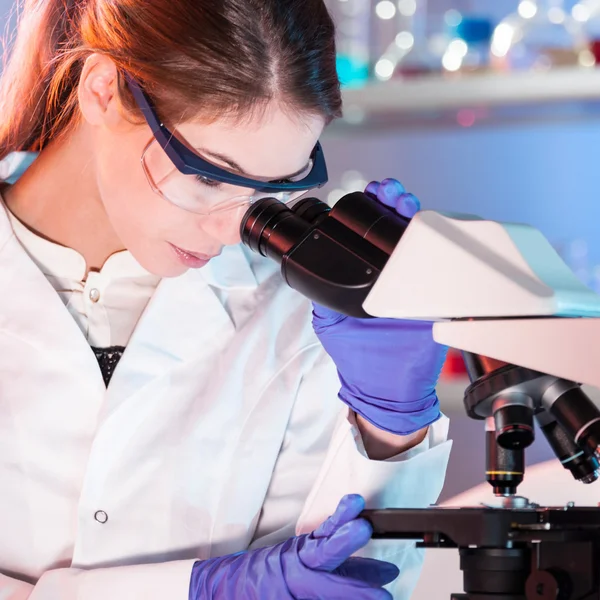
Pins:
<point x="221" y="429"/>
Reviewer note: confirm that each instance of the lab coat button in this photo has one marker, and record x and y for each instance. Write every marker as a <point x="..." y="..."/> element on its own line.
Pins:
<point x="94" y="295"/>
<point x="101" y="516"/>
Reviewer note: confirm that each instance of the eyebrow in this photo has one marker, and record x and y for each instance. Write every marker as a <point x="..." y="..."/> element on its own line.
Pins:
<point x="231" y="163"/>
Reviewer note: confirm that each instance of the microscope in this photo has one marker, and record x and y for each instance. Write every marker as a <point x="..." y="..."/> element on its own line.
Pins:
<point x="529" y="332"/>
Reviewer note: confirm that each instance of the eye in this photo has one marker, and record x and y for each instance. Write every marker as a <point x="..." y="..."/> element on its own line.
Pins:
<point x="207" y="182"/>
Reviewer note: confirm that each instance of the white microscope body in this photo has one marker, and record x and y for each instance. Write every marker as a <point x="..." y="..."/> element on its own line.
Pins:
<point x="495" y="289"/>
<point x="500" y="291"/>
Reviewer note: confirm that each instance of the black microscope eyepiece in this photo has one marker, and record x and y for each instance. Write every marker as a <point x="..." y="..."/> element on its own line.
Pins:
<point x="332" y="255"/>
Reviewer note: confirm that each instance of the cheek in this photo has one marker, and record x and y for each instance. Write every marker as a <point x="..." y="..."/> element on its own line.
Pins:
<point x="224" y="226"/>
<point x="121" y="179"/>
<point x="142" y="220"/>
<point x="134" y="209"/>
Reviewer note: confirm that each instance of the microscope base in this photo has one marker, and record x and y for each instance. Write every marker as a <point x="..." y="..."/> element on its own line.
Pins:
<point x="508" y="554"/>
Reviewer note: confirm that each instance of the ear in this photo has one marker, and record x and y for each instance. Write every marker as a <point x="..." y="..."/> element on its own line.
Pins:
<point x="98" y="93"/>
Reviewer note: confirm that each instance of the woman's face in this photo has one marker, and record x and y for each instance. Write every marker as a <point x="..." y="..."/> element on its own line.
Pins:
<point x="164" y="237"/>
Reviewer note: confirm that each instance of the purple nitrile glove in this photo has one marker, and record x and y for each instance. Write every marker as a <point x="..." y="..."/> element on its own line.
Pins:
<point x="388" y="368"/>
<point x="316" y="566"/>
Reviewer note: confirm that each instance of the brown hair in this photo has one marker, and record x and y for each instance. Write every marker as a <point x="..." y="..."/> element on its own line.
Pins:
<point x="224" y="57"/>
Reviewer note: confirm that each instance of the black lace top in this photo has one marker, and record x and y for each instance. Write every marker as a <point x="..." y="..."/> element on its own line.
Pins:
<point x="108" y="359"/>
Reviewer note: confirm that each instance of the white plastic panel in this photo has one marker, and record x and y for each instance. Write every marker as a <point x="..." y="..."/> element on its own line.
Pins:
<point x="461" y="266"/>
<point x="567" y="348"/>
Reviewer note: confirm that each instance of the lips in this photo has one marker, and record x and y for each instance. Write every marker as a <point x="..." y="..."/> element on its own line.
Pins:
<point x="197" y="255"/>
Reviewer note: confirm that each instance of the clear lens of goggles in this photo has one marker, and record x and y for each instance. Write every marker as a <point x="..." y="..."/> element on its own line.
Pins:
<point x="200" y="194"/>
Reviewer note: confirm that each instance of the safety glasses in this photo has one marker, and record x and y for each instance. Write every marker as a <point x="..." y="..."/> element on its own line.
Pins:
<point x="191" y="182"/>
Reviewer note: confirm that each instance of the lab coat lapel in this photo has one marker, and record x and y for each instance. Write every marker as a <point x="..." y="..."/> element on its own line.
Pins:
<point x="31" y="310"/>
<point x="185" y="321"/>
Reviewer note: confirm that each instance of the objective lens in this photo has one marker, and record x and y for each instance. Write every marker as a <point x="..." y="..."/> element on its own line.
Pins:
<point x="578" y="416"/>
<point x="504" y="467"/>
<point x="513" y="420"/>
<point x="580" y="461"/>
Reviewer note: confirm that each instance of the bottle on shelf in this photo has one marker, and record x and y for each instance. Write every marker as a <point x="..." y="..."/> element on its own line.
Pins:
<point x="410" y="54"/>
<point x="468" y="50"/>
<point x="454" y="368"/>
<point x="541" y="35"/>
<point x="384" y="16"/>
<point x="352" y="21"/>
<point x="587" y="12"/>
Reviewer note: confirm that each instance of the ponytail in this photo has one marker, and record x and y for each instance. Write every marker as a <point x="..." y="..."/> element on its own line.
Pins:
<point x="36" y="99"/>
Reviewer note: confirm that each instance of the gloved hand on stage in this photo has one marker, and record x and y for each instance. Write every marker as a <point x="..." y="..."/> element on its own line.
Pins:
<point x="316" y="566"/>
<point x="388" y="368"/>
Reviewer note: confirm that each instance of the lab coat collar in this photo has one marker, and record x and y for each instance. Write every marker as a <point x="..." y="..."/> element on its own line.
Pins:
<point x="32" y="311"/>
<point x="184" y="320"/>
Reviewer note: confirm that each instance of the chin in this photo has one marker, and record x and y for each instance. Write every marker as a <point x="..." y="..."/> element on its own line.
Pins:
<point x="161" y="266"/>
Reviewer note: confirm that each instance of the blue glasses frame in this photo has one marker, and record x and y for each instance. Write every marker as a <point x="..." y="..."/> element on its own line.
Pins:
<point x="189" y="163"/>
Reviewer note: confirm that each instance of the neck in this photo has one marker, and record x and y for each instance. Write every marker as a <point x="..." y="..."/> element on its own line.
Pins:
<point x="58" y="198"/>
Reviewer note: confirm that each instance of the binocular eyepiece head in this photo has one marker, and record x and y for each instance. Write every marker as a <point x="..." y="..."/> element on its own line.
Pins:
<point x="331" y="255"/>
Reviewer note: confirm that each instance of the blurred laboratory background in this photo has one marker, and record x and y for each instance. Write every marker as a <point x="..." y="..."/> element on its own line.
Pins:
<point x="490" y="107"/>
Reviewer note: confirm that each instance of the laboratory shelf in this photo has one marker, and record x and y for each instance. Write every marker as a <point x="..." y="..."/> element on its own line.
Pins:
<point x="466" y="101"/>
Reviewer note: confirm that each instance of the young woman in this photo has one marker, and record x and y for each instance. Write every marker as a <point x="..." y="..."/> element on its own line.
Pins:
<point x="174" y="421"/>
